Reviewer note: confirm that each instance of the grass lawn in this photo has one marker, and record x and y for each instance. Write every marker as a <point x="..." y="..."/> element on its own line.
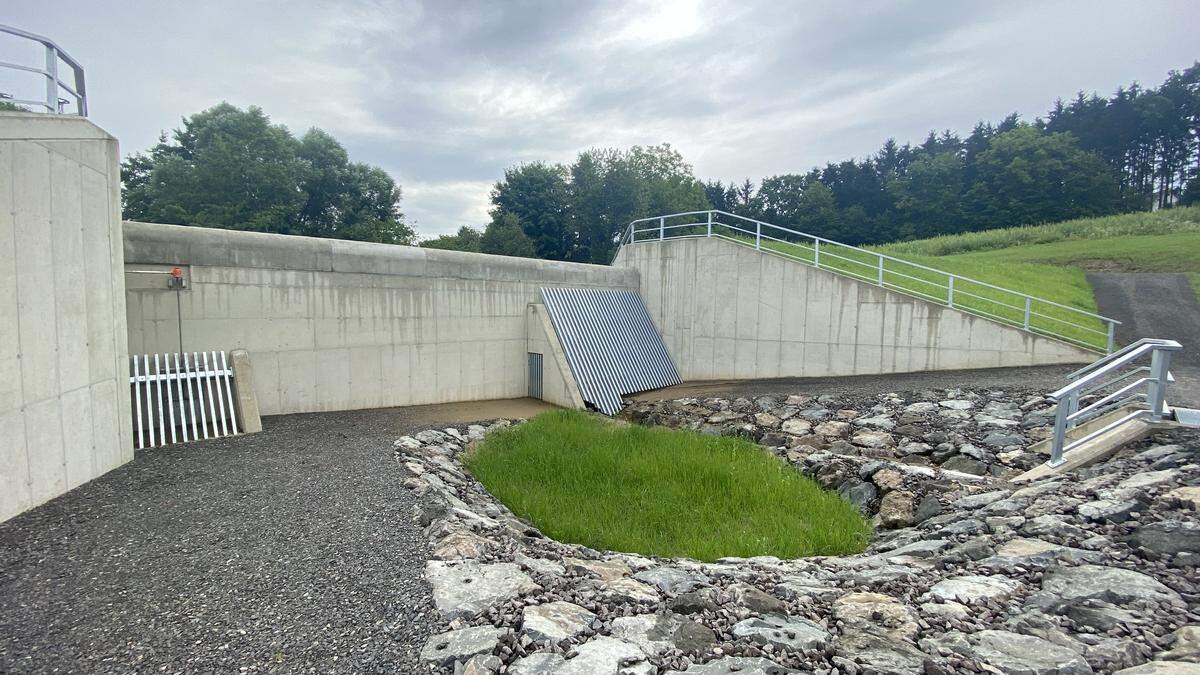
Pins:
<point x="654" y="491"/>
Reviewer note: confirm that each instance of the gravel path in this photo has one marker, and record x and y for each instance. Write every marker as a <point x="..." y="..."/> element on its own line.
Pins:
<point x="288" y="550"/>
<point x="1161" y="306"/>
<point x="1045" y="378"/>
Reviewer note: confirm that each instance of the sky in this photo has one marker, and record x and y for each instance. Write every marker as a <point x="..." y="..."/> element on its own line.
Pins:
<point x="445" y="95"/>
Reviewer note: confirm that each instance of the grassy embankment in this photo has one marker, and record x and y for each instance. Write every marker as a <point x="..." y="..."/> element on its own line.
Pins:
<point x="661" y="492"/>
<point x="1046" y="261"/>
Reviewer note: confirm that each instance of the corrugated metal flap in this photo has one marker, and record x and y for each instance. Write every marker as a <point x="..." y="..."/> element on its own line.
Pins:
<point x="610" y="343"/>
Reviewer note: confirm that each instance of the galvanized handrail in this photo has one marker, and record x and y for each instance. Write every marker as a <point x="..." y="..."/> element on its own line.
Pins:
<point x="878" y="271"/>
<point x="53" y="103"/>
<point x="1107" y="372"/>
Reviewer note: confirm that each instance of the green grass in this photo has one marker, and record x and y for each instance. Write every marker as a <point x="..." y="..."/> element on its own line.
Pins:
<point x="1049" y="262"/>
<point x="655" y="491"/>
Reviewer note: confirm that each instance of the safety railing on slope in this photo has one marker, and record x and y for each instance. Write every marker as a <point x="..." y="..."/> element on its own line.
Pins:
<point x="52" y="102"/>
<point x="1146" y="394"/>
<point x="1031" y="313"/>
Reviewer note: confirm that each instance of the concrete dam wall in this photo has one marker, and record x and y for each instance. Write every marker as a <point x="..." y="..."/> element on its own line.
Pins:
<point x="727" y="311"/>
<point x="342" y="325"/>
<point x="64" y="392"/>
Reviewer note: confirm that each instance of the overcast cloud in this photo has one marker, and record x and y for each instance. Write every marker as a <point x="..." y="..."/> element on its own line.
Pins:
<point x="445" y="95"/>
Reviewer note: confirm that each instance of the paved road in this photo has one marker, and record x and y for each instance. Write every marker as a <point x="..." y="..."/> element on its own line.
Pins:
<point x="1046" y="378"/>
<point x="1156" y="305"/>
<point x="292" y="549"/>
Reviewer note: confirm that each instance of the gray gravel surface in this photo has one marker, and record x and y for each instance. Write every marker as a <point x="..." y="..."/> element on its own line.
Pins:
<point x="289" y="550"/>
<point x="1161" y="306"/>
<point x="1044" y="378"/>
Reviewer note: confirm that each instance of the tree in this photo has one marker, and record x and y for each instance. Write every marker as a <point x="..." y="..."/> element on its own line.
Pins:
<point x="466" y="239"/>
<point x="231" y="168"/>
<point x="1028" y="177"/>
<point x="536" y="194"/>
<point x="506" y="236"/>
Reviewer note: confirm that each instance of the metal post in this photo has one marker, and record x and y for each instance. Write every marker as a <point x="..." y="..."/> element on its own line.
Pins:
<point x="1066" y="408"/>
<point x="709" y="223"/>
<point x="816" y="252"/>
<point x="1060" y="434"/>
<point x="662" y="229"/>
<point x="1112" y="335"/>
<point x="880" y="270"/>
<point x="52" y="79"/>
<point x="950" y="291"/>
<point x="1160" y="363"/>
<point x="758" y="235"/>
<point x="1028" y="307"/>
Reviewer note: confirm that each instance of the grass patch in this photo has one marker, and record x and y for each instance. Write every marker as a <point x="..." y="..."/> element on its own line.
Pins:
<point x="661" y="492"/>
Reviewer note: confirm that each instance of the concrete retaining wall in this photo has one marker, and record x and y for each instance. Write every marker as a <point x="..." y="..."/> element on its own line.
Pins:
<point x="730" y="312"/>
<point x="64" y="402"/>
<point x="338" y="325"/>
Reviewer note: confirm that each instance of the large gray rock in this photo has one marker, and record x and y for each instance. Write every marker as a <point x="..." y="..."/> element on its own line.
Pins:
<point x="741" y="665"/>
<point x="1109" y="510"/>
<point x="876" y="613"/>
<point x="1162" y="668"/>
<point x="556" y="621"/>
<point x="541" y="663"/>
<point x="1167" y="537"/>
<point x="626" y="590"/>
<point x="656" y="633"/>
<point x="755" y="600"/>
<point x="786" y="632"/>
<point x="466" y="590"/>
<point x="605" y="570"/>
<point x="1110" y="584"/>
<point x="672" y="580"/>
<point x="1186" y="646"/>
<point x="896" y="509"/>
<point x="878" y="630"/>
<point x="1018" y="654"/>
<point x="459" y="645"/>
<point x="972" y="589"/>
<point x="873" y="439"/>
<point x="600" y="655"/>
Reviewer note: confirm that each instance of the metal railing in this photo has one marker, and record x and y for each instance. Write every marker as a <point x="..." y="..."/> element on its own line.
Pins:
<point x="1030" y="313"/>
<point x="169" y="393"/>
<point x="1147" y="393"/>
<point x="55" y="85"/>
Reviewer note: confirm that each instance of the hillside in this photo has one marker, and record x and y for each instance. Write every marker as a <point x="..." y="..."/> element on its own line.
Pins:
<point x="1051" y="261"/>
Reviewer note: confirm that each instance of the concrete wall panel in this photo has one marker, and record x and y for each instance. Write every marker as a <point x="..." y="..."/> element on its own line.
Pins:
<point x="334" y="325"/>
<point x="740" y="313"/>
<point x="64" y="413"/>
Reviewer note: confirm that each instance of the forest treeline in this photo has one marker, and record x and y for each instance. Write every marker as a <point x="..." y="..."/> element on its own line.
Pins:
<point x="1137" y="149"/>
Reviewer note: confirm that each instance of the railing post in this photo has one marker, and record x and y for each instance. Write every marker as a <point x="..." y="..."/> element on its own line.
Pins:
<point x="1160" y="363"/>
<point x="880" y="270"/>
<point x="1028" y="308"/>
<point x="1060" y="433"/>
<point x="662" y="229"/>
<point x="816" y="252"/>
<point x="709" y="224"/>
<point x="1112" y="335"/>
<point x="758" y="235"/>
<point x="52" y="79"/>
<point x="950" y="291"/>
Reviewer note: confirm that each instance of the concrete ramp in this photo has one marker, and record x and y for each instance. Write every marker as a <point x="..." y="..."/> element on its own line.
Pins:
<point x="610" y="343"/>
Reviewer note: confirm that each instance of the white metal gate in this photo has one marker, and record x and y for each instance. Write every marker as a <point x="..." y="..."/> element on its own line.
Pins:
<point x="181" y="397"/>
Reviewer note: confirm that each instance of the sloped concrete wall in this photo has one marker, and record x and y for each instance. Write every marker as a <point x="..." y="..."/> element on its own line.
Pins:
<point x="64" y="401"/>
<point x="341" y="325"/>
<point x="730" y="312"/>
<point x="558" y="383"/>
